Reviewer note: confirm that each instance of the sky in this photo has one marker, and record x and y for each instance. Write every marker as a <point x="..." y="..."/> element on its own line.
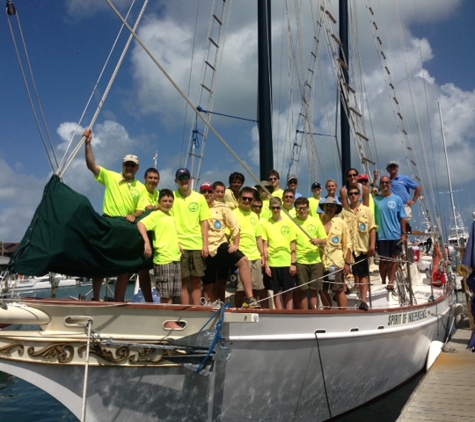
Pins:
<point x="68" y="43"/>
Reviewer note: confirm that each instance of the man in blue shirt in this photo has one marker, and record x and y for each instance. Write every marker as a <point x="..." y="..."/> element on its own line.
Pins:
<point x="390" y="218"/>
<point x="401" y="186"/>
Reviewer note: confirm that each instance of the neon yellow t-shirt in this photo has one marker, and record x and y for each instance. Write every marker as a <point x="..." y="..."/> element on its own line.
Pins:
<point x="148" y="198"/>
<point x="250" y="231"/>
<point x="278" y="235"/>
<point x="278" y="193"/>
<point x="266" y="213"/>
<point x="121" y="198"/>
<point x="307" y="253"/>
<point x="189" y="212"/>
<point x="292" y="212"/>
<point x="313" y="207"/>
<point x="222" y="223"/>
<point x="166" y="248"/>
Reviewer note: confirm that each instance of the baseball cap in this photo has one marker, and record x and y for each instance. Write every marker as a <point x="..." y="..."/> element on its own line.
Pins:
<point x="131" y="158"/>
<point x="392" y="163"/>
<point x="292" y="177"/>
<point x="182" y="172"/>
<point x="363" y="178"/>
<point x="316" y="185"/>
<point x="206" y="187"/>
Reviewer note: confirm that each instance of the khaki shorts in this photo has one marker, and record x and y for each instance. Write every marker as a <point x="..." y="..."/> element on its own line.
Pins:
<point x="307" y="273"/>
<point x="192" y="264"/>
<point x="256" y="274"/>
<point x="336" y="285"/>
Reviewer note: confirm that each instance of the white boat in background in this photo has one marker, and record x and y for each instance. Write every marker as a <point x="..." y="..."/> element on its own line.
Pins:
<point x="120" y="362"/>
<point x="17" y="283"/>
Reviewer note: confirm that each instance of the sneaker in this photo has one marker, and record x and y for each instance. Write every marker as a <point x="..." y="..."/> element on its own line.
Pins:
<point x="251" y="303"/>
<point x="363" y="306"/>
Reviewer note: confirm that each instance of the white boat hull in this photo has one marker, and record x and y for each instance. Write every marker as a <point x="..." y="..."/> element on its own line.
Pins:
<point x="275" y="372"/>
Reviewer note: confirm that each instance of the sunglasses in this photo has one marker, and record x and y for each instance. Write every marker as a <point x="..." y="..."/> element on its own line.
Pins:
<point x="271" y="179"/>
<point x="257" y="207"/>
<point x="352" y="175"/>
<point x="275" y="208"/>
<point x="301" y="209"/>
<point x="184" y="178"/>
<point x="288" y="197"/>
<point x="133" y="165"/>
<point x="247" y="199"/>
<point x="204" y="192"/>
<point x="330" y="205"/>
<point x="353" y="194"/>
<point x="292" y="182"/>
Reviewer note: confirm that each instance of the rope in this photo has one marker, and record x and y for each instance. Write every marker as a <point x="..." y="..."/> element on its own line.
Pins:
<point x="86" y="371"/>
<point x="195" y="37"/>
<point x="217" y="337"/>
<point x="327" y="399"/>
<point x="199" y="108"/>
<point x="183" y="95"/>
<point x="106" y="93"/>
<point x="95" y="88"/>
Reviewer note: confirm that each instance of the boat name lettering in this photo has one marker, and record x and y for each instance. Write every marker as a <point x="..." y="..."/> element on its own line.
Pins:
<point x="407" y="318"/>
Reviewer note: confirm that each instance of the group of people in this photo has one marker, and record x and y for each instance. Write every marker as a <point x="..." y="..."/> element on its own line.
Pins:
<point x="299" y="248"/>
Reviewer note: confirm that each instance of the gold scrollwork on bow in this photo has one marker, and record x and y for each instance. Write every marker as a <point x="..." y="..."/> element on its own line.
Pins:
<point x="63" y="352"/>
<point x="8" y="350"/>
<point x="121" y="353"/>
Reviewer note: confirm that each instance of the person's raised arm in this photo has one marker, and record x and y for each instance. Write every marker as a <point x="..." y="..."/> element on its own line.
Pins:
<point x="90" y="160"/>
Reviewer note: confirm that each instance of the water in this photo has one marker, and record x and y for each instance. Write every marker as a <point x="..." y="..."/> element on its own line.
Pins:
<point x="23" y="402"/>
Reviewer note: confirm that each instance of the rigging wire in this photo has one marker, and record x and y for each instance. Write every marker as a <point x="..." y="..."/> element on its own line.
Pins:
<point x="216" y="37"/>
<point x="94" y="89"/>
<point x="188" y="88"/>
<point x="106" y="92"/>
<point x="11" y="11"/>
<point x="397" y="105"/>
<point x="195" y="109"/>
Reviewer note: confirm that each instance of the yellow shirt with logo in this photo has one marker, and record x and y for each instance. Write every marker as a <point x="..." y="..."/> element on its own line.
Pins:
<point x="278" y="235"/>
<point x="189" y="212"/>
<point x="166" y="248"/>
<point x="250" y="231"/>
<point x="121" y="198"/>
<point x="338" y="244"/>
<point x="307" y="253"/>
<point x="359" y="225"/>
<point x="222" y="224"/>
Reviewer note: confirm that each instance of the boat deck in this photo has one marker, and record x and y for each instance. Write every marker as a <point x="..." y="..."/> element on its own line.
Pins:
<point x="446" y="391"/>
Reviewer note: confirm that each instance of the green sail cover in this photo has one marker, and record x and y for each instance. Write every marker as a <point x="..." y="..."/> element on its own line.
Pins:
<point x="67" y="236"/>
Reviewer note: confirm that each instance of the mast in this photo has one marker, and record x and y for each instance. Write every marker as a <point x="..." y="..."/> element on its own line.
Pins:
<point x="451" y="192"/>
<point x="344" y="125"/>
<point x="264" y="89"/>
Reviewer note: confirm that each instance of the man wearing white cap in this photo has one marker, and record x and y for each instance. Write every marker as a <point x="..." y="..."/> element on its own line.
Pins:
<point x="121" y="199"/>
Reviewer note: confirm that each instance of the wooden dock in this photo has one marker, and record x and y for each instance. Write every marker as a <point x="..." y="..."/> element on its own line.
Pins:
<point x="446" y="393"/>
